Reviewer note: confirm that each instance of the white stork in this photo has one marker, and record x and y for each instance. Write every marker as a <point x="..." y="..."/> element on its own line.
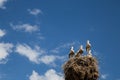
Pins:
<point x="71" y="54"/>
<point x="89" y="54"/>
<point x="88" y="46"/>
<point x="80" y="51"/>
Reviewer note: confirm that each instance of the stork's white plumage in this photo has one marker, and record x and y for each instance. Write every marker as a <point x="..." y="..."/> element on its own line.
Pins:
<point x="72" y="48"/>
<point x="88" y="46"/>
<point x="71" y="54"/>
<point x="88" y="43"/>
<point x="89" y="54"/>
<point x="80" y="51"/>
<point x="81" y="47"/>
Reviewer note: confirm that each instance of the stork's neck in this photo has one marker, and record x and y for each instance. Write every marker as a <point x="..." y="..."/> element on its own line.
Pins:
<point x="81" y="47"/>
<point x="72" y="48"/>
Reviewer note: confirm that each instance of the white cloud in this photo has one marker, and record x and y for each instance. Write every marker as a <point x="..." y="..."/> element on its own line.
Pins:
<point x="48" y="59"/>
<point x="104" y="76"/>
<point x="2" y="33"/>
<point x="36" y="55"/>
<point x="5" y="49"/>
<point x="25" y="27"/>
<point x="49" y="75"/>
<point x="27" y="51"/>
<point x="2" y="2"/>
<point x="35" y="76"/>
<point x="34" y="11"/>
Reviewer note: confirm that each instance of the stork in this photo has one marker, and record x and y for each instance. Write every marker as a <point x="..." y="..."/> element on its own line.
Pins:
<point x="89" y="54"/>
<point x="71" y="54"/>
<point x="80" y="51"/>
<point x="88" y="46"/>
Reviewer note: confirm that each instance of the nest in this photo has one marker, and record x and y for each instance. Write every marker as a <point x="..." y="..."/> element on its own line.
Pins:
<point x="81" y="68"/>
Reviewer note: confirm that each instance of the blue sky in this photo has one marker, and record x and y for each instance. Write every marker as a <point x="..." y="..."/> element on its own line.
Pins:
<point x="36" y="36"/>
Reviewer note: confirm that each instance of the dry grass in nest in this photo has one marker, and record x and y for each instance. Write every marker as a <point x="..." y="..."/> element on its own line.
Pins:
<point x="81" y="68"/>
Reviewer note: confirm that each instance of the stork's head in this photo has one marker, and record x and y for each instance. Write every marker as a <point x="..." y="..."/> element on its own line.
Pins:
<point x="88" y="42"/>
<point x="72" y="48"/>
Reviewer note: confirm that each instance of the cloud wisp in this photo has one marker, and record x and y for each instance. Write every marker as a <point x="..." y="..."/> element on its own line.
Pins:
<point x="2" y="33"/>
<point x="51" y="74"/>
<point x="25" y="27"/>
<point x="35" y="12"/>
<point x="47" y="59"/>
<point x="2" y="3"/>
<point x="50" y="59"/>
<point x="5" y="50"/>
<point x="63" y="46"/>
<point x="104" y="76"/>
